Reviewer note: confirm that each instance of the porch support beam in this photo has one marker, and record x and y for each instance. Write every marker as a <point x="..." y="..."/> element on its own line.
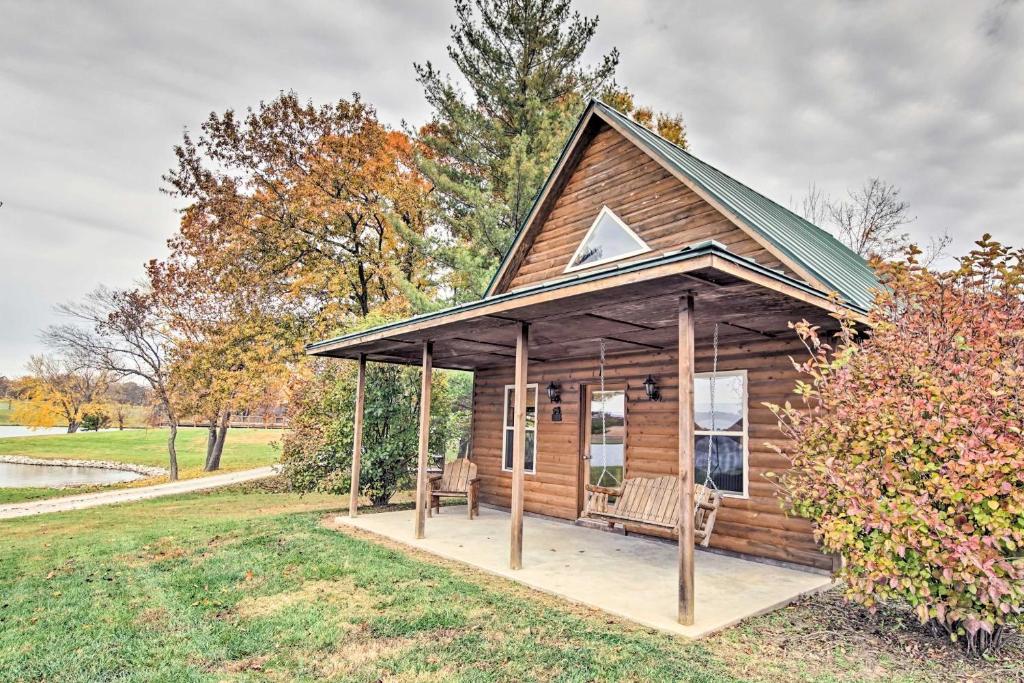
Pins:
<point x="519" y="446"/>
<point x="686" y="461"/>
<point x="357" y="437"/>
<point x="421" y="466"/>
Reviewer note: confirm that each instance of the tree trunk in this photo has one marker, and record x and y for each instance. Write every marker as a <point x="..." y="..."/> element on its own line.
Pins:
<point x="211" y="441"/>
<point x="172" y="454"/>
<point x="72" y="426"/>
<point x="213" y="463"/>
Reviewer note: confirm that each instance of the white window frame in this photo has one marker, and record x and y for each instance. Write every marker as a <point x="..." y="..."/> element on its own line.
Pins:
<point x="506" y="428"/>
<point x="745" y="433"/>
<point x="643" y="249"/>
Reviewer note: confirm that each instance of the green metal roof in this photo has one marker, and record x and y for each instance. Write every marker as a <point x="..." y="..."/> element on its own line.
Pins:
<point x="707" y="247"/>
<point x="814" y="249"/>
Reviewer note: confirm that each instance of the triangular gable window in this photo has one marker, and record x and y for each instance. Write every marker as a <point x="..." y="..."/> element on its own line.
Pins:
<point x="609" y="239"/>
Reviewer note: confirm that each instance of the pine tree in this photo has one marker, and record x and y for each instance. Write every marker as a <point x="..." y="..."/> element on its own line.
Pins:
<point x="488" y="153"/>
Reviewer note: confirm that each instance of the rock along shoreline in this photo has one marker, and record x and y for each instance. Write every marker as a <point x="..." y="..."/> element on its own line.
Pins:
<point x="99" y="464"/>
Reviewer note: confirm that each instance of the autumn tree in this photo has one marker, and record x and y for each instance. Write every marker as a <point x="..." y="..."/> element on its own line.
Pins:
<point x="487" y="151"/>
<point x="60" y="388"/>
<point x="125" y="333"/>
<point x="229" y="350"/>
<point x="319" y="208"/>
<point x="300" y="221"/>
<point x="668" y="125"/>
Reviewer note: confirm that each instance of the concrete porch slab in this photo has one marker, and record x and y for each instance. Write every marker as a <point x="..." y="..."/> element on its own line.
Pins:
<point x="631" y="577"/>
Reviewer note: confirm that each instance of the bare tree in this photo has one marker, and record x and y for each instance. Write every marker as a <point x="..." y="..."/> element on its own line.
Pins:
<point x="814" y="206"/>
<point x="936" y="249"/>
<point x="124" y="332"/>
<point x="868" y="221"/>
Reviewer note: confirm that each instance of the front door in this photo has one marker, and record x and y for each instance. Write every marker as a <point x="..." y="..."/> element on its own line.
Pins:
<point x="603" y="440"/>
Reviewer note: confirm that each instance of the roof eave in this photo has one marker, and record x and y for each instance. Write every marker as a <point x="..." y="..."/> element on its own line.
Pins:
<point x="717" y="257"/>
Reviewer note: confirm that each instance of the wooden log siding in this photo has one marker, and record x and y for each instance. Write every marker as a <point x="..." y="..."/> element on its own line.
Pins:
<point x="664" y="212"/>
<point x="755" y="526"/>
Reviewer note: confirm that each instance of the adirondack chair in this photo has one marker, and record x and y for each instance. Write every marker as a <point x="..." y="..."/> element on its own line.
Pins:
<point x="459" y="480"/>
<point x="652" y="503"/>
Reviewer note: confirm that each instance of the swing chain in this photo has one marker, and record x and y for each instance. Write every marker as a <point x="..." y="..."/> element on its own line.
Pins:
<point x="708" y="481"/>
<point x="604" y="426"/>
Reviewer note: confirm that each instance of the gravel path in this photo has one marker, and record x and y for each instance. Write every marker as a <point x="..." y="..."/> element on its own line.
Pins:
<point x="89" y="500"/>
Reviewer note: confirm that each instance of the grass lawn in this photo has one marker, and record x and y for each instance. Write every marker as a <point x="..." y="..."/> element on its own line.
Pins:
<point x="244" y="449"/>
<point x="246" y="585"/>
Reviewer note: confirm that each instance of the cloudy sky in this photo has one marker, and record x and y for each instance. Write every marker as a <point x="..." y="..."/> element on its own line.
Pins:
<point x="927" y="95"/>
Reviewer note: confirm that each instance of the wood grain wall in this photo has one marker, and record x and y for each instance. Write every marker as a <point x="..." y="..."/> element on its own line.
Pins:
<point x="665" y="213"/>
<point x="756" y="525"/>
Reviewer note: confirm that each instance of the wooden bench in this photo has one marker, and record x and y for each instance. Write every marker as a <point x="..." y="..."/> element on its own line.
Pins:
<point x="652" y="503"/>
<point x="459" y="480"/>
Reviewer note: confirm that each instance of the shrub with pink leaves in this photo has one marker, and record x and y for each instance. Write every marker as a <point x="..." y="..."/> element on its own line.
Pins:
<point x="908" y="448"/>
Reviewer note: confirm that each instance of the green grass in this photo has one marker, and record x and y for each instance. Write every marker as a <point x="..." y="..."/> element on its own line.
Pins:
<point x="23" y="495"/>
<point x="247" y="586"/>
<point x="244" y="449"/>
<point x="6" y="408"/>
<point x="220" y="587"/>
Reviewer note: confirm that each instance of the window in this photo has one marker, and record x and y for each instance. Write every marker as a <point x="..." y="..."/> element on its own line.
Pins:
<point x="609" y="239"/>
<point x="721" y="434"/>
<point x="530" y="465"/>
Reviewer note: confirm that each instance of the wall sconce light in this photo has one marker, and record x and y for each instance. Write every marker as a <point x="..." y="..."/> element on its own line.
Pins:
<point x="554" y="391"/>
<point x="651" y="387"/>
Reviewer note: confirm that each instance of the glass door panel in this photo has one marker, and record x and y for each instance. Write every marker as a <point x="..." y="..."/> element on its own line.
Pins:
<point x="605" y="454"/>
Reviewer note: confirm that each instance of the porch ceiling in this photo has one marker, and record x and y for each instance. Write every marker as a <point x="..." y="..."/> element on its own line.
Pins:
<point x="633" y="314"/>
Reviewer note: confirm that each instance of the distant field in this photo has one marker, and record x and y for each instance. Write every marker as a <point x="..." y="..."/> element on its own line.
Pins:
<point x="244" y="449"/>
<point x="6" y="408"/>
<point x="137" y="415"/>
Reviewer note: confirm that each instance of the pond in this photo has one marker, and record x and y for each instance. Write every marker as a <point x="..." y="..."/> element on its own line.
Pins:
<point x="17" y="430"/>
<point x="17" y="475"/>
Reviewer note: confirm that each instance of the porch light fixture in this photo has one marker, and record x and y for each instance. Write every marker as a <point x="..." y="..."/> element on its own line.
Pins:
<point x="651" y="387"/>
<point x="554" y="393"/>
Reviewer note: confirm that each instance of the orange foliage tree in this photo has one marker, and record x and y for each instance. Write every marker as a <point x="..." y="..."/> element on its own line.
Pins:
<point x="319" y="208"/>
<point x="59" y="389"/>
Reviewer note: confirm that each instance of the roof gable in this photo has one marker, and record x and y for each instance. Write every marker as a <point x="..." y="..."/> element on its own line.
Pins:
<point x="615" y="174"/>
<point x="812" y="253"/>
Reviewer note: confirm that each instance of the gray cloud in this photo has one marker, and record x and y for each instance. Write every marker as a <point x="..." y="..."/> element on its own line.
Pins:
<point x="929" y="96"/>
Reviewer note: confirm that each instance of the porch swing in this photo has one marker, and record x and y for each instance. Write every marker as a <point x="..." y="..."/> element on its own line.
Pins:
<point x="652" y="503"/>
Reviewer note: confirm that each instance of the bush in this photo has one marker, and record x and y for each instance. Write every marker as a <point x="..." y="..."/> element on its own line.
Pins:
<point x="908" y="453"/>
<point x="95" y="421"/>
<point x="317" y="452"/>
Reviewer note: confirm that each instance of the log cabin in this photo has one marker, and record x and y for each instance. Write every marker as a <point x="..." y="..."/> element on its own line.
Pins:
<point x="635" y="329"/>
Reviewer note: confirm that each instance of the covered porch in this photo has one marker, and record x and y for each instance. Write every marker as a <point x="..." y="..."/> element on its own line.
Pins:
<point x="631" y="577"/>
<point x="663" y="311"/>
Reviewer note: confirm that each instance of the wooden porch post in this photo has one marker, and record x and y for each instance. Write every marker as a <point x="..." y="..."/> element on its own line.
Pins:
<point x="357" y="437"/>
<point x="519" y="446"/>
<point x="686" y="460"/>
<point x="421" y="467"/>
